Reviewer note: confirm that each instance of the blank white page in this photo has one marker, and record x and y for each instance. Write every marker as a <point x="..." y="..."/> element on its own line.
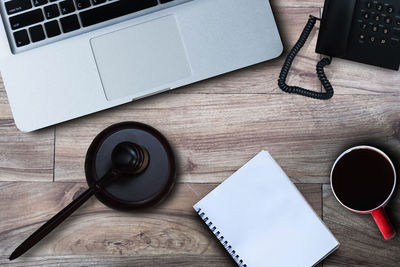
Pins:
<point x="265" y="219"/>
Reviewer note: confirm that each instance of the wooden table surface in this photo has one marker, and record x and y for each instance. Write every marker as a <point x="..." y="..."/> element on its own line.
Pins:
<point x="215" y="127"/>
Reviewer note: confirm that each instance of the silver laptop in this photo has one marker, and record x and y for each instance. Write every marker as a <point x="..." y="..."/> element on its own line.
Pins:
<point x="65" y="59"/>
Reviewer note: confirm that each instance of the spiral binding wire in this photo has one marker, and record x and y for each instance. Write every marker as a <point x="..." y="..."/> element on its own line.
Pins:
<point x="221" y="239"/>
<point x="320" y="68"/>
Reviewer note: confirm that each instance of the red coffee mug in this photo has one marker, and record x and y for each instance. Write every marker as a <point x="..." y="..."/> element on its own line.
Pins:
<point x="363" y="180"/>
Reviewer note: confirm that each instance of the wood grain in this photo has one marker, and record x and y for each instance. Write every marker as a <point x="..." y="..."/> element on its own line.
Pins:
<point x="263" y="78"/>
<point x="348" y="77"/>
<point x="172" y="228"/>
<point x="120" y="261"/>
<point x="361" y="243"/>
<point x="297" y="3"/>
<point x="213" y="135"/>
<point x="23" y="157"/>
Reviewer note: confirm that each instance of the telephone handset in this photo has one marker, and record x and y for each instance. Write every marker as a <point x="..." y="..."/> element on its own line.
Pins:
<point x="364" y="31"/>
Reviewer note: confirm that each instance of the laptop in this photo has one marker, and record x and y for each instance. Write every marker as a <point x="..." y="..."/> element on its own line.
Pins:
<point x="61" y="60"/>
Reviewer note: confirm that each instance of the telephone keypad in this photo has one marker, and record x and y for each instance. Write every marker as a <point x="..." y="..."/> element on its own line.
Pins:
<point x="379" y="24"/>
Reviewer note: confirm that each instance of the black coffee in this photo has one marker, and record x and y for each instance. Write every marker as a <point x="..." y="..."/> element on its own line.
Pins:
<point x="363" y="179"/>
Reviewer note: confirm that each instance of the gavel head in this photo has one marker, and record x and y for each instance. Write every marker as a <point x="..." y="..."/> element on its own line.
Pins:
<point x="129" y="158"/>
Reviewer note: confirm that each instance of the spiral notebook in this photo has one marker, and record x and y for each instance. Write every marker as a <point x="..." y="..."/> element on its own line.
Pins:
<point x="261" y="218"/>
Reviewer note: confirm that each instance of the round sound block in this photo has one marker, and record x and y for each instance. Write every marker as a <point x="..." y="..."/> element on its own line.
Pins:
<point x="132" y="191"/>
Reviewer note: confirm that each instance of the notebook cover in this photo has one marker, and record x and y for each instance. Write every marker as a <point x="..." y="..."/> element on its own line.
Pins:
<point x="263" y="220"/>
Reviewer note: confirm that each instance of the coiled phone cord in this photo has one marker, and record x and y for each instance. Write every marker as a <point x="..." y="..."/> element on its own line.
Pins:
<point x="320" y="68"/>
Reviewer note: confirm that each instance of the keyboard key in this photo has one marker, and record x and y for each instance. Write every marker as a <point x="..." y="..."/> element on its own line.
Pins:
<point x="81" y="4"/>
<point x="37" y="33"/>
<point x="16" y="6"/>
<point x="96" y="2"/>
<point x="113" y="10"/>
<point x="388" y="20"/>
<point x="52" y="28"/>
<point x="39" y="2"/>
<point x="70" y="23"/>
<point x="51" y="11"/>
<point x="67" y="7"/>
<point x="21" y="38"/>
<point x="26" y="19"/>
<point x="365" y="15"/>
<point x="364" y="25"/>
<point x="372" y="39"/>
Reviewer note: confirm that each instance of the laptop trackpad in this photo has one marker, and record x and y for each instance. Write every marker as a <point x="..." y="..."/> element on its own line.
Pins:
<point x="142" y="57"/>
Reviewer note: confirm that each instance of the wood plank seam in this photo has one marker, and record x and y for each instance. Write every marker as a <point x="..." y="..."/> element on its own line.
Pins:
<point x="54" y="154"/>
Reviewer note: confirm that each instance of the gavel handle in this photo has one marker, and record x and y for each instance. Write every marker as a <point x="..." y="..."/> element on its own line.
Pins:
<point x="52" y="223"/>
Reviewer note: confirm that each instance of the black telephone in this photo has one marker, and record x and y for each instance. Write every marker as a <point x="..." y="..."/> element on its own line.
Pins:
<point x="365" y="31"/>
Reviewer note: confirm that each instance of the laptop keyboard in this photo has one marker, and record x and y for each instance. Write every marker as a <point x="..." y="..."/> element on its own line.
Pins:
<point x="34" y="23"/>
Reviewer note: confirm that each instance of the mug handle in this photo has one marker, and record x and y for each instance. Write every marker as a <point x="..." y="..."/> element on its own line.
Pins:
<point x="383" y="223"/>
